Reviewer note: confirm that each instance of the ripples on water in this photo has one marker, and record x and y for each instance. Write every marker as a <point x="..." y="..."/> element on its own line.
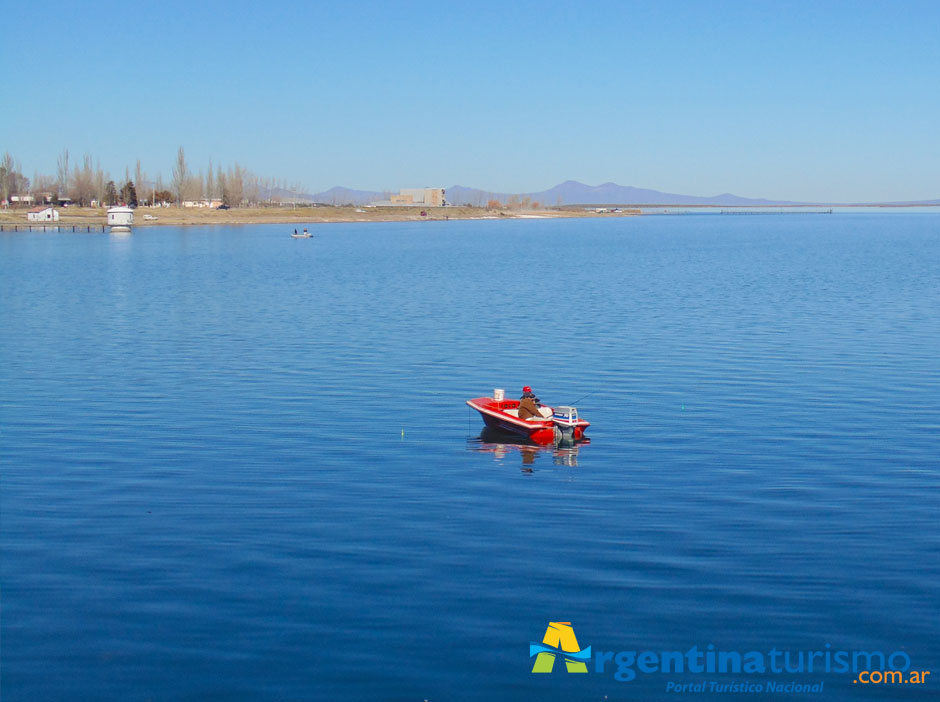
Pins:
<point x="236" y="465"/>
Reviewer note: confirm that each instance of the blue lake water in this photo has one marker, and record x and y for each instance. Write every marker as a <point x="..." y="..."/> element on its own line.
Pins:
<point x="238" y="466"/>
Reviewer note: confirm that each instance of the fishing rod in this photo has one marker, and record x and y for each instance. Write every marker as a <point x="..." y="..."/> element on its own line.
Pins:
<point x="583" y="396"/>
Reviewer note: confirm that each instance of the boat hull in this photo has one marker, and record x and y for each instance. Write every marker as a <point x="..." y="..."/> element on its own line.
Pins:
<point x="540" y="431"/>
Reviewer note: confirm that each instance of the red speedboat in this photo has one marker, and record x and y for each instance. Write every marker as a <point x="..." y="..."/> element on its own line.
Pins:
<point x="558" y="422"/>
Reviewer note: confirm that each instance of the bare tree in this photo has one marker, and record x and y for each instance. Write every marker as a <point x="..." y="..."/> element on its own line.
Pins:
<point x="235" y="184"/>
<point x="86" y="182"/>
<point x="192" y="188"/>
<point x="297" y="189"/>
<point x="251" y="190"/>
<point x="12" y="182"/>
<point x="6" y="175"/>
<point x="42" y="186"/>
<point x="101" y="183"/>
<point x="83" y="182"/>
<point x="222" y="186"/>
<point x="144" y="194"/>
<point x="179" y="175"/>
<point x="62" y="174"/>
<point x="210" y="182"/>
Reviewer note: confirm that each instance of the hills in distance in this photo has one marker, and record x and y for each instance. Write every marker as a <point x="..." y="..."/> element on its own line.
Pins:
<point x="571" y="192"/>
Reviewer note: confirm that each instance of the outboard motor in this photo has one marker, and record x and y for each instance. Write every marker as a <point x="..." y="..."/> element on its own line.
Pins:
<point x="565" y="420"/>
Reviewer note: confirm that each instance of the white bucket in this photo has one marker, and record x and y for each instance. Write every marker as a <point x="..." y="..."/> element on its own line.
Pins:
<point x="499" y="394"/>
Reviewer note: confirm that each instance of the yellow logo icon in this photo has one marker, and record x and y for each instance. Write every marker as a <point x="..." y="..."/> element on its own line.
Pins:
<point x="559" y="639"/>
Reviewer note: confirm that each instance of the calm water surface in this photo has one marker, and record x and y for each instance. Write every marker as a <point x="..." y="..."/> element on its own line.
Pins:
<point x="236" y="466"/>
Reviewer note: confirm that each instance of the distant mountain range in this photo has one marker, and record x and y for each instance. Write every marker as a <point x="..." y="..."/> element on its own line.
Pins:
<point x="571" y="192"/>
<point x="346" y="196"/>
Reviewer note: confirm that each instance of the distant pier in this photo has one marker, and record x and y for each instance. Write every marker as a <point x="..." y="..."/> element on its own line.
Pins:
<point x="52" y="228"/>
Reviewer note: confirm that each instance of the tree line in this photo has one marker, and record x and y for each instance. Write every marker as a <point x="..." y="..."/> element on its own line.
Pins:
<point x="84" y="183"/>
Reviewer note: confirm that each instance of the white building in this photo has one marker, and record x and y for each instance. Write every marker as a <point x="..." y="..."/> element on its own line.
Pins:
<point x="43" y="214"/>
<point x="120" y="219"/>
<point x="415" y="197"/>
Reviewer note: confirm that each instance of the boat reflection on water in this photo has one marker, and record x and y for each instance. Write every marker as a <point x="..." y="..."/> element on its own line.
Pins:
<point x="502" y="444"/>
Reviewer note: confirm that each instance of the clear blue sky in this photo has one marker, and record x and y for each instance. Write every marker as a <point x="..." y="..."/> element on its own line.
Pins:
<point x="836" y="101"/>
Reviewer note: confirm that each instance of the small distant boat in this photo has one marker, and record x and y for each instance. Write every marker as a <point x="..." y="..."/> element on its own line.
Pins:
<point x="558" y="423"/>
<point x="305" y="235"/>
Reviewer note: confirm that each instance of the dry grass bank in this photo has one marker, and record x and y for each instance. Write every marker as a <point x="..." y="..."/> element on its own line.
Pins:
<point x="299" y="215"/>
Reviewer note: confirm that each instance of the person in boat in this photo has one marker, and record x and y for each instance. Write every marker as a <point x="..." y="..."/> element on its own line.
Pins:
<point x="528" y="404"/>
<point x="295" y="231"/>
<point x="305" y="231"/>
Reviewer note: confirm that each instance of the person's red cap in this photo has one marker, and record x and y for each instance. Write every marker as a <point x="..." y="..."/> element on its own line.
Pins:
<point x="526" y="389"/>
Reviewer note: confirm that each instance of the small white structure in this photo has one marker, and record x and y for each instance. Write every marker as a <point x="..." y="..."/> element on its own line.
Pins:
<point x="210" y="203"/>
<point x="43" y="214"/>
<point x="120" y="219"/>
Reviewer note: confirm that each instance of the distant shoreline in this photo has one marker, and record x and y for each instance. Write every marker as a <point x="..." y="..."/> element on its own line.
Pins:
<point x="299" y="216"/>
